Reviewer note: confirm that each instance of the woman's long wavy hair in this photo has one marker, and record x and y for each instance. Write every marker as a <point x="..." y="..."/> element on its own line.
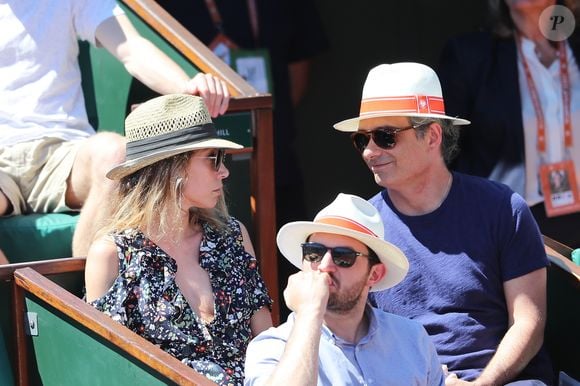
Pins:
<point x="149" y="198"/>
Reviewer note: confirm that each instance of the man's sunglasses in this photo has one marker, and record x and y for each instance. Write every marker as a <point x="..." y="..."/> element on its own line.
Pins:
<point x="341" y="256"/>
<point x="218" y="157"/>
<point x="384" y="137"/>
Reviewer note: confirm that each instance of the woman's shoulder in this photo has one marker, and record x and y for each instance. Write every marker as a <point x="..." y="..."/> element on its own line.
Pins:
<point x="102" y="267"/>
<point x="103" y="243"/>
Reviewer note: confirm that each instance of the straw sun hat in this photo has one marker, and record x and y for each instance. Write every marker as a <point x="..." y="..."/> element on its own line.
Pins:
<point x="165" y="126"/>
<point x="400" y="89"/>
<point x="351" y="216"/>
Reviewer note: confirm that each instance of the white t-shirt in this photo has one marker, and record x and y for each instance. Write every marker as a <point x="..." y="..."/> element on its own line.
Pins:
<point x="40" y="80"/>
<point x="549" y="86"/>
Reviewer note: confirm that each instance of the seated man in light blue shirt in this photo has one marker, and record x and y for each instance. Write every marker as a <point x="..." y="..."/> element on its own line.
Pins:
<point x="333" y="337"/>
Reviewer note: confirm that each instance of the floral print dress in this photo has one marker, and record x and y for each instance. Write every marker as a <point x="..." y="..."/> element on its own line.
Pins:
<point x="146" y="299"/>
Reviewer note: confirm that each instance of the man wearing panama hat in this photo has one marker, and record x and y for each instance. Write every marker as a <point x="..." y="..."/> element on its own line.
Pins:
<point x="477" y="278"/>
<point x="333" y="337"/>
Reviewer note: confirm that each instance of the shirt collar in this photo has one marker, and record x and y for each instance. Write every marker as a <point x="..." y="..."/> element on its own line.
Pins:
<point x="370" y="311"/>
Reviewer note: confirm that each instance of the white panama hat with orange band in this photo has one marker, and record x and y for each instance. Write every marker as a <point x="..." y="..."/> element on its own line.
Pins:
<point x="400" y="89"/>
<point x="351" y="216"/>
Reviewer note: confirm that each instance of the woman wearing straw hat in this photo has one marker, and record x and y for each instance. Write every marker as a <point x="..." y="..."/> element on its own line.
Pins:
<point x="172" y="265"/>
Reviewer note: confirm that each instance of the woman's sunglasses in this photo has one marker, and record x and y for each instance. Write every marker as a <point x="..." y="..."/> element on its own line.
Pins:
<point x="341" y="256"/>
<point x="218" y="158"/>
<point x="384" y="137"/>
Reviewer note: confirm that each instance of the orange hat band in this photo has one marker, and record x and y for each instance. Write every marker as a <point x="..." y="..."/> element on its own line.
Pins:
<point x="423" y="104"/>
<point x="344" y="222"/>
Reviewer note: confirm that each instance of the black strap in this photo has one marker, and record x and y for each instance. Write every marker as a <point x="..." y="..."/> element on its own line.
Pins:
<point x="168" y="141"/>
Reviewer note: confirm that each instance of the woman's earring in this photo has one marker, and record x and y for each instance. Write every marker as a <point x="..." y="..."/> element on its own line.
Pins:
<point x="178" y="192"/>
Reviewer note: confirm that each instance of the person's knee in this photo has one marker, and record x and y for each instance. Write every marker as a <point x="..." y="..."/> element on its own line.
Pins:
<point x="95" y="157"/>
<point x="100" y="154"/>
<point x="3" y="258"/>
<point x="5" y="205"/>
<point x="108" y="150"/>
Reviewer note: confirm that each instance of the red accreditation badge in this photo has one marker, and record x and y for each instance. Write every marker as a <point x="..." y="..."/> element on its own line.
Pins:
<point x="560" y="188"/>
<point x="222" y="46"/>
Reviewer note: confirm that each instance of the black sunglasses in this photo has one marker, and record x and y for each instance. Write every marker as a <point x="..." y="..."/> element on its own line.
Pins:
<point x="342" y="256"/>
<point x="218" y="158"/>
<point x="384" y="136"/>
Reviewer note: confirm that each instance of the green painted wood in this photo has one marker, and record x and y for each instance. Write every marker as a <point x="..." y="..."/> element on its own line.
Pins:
<point x="66" y="353"/>
<point x="150" y="34"/>
<point x="237" y="190"/>
<point x="111" y="87"/>
<point x="73" y="282"/>
<point x="235" y="127"/>
<point x="6" y="376"/>
<point x="6" y="333"/>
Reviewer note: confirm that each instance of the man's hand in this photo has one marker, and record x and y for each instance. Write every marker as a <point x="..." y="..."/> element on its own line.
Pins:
<point x="307" y="290"/>
<point x="452" y="380"/>
<point x="213" y="90"/>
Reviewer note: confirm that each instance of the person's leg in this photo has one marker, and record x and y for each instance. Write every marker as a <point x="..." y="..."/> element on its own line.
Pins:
<point x="5" y="205"/>
<point x="89" y="188"/>
<point x="3" y="258"/>
<point x="4" y="202"/>
<point x="11" y="200"/>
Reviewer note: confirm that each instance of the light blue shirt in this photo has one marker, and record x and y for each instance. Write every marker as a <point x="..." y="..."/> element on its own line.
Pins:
<point x="396" y="351"/>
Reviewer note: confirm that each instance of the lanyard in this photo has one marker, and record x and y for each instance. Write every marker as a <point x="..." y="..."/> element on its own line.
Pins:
<point x="565" y="80"/>
<point x="216" y="17"/>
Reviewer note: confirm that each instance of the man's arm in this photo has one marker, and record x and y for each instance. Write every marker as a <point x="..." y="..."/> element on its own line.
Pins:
<point x="299" y="363"/>
<point x="526" y="302"/>
<point x="307" y="295"/>
<point x="152" y="67"/>
<point x="299" y="75"/>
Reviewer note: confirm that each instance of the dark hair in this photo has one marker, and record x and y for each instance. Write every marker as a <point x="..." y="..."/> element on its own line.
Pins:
<point x="501" y="21"/>
<point x="373" y="257"/>
<point x="450" y="141"/>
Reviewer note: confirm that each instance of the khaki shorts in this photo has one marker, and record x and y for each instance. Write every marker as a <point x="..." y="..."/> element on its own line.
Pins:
<point x="33" y="174"/>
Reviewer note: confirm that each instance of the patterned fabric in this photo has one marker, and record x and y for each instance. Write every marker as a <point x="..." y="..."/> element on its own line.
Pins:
<point x="146" y="299"/>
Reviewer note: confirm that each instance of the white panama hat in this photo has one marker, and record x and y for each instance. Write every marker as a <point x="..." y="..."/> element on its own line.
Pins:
<point x="400" y="89"/>
<point x="351" y="216"/>
<point x="165" y="126"/>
